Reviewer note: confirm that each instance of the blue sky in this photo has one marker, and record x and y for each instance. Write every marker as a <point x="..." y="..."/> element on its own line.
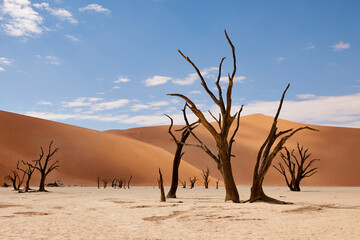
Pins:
<point x="109" y="64"/>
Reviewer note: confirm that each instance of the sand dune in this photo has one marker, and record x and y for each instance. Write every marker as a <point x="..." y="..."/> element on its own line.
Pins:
<point x="84" y="154"/>
<point x="336" y="147"/>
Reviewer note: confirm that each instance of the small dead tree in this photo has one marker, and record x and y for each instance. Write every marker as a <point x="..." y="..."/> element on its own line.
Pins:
<point x="298" y="169"/>
<point x="15" y="179"/>
<point x="222" y="137"/>
<point x="183" y="183"/>
<point x="161" y="185"/>
<point x="113" y="182"/>
<point x="28" y="171"/>
<point x="128" y="183"/>
<point x="98" y="181"/>
<point x="266" y="154"/>
<point x="46" y="166"/>
<point x="206" y="175"/>
<point x="193" y="181"/>
<point x="185" y="132"/>
<point x="120" y="182"/>
<point x="217" y="183"/>
<point x="105" y="182"/>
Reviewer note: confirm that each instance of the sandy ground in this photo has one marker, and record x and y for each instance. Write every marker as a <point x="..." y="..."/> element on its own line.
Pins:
<point x="137" y="213"/>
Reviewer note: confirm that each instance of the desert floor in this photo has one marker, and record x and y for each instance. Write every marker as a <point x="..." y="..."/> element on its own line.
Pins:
<point x="137" y="213"/>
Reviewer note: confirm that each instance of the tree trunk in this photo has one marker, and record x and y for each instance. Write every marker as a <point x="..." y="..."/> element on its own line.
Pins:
<point x="257" y="193"/>
<point x="230" y="186"/>
<point x="175" y="172"/>
<point x="42" y="184"/>
<point x="27" y="185"/>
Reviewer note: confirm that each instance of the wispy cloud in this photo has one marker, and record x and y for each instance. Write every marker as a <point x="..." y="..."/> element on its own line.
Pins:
<point x="2" y="69"/>
<point x="6" y="61"/>
<point x="310" y="46"/>
<point x="95" y="8"/>
<point x="192" y="77"/>
<point x="152" y="105"/>
<point x="95" y="104"/>
<point x="280" y="59"/>
<point x="156" y="80"/>
<point x="122" y="80"/>
<point x="62" y="14"/>
<point x="306" y="96"/>
<point x="195" y="92"/>
<point x="72" y="38"/>
<point x="20" y="19"/>
<point x="52" y="60"/>
<point x="41" y="102"/>
<point x="239" y="79"/>
<point x="340" y="46"/>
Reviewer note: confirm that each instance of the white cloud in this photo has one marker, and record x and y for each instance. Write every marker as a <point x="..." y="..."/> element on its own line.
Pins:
<point x="239" y="79"/>
<point x="310" y="46"/>
<point x="95" y="8"/>
<point x="72" y="38"/>
<point x="52" y="60"/>
<point x="280" y="59"/>
<point x="41" y="102"/>
<point x="324" y="110"/>
<point x="152" y="105"/>
<point x="195" y="92"/>
<point x="116" y="87"/>
<point x="62" y="14"/>
<point x="306" y="96"/>
<point x="122" y="80"/>
<point x="5" y="61"/>
<point x="157" y="80"/>
<point x="20" y="19"/>
<point x="110" y="105"/>
<point x="81" y="102"/>
<point x="192" y="77"/>
<point x="2" y="69"/>
<point x="340" y="46"/>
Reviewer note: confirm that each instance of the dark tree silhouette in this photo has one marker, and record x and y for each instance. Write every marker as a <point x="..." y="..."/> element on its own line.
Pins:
<point x="113" y="182"/>
<point x="225" y="120"/>
<point x="98" y="181"/>
<point x="183" y="184"/>
<point x="185" y="132"/>
<point x="266" y="154"/>
<point x="193" y="181"/>
<point x="105" y="182"/>
<point x="161" y="186"/>
<point x="46" y="167"/>
<point x="120" y="182"/>
<point x="206" y="174"/>
<point x="128" y="183"/>
<point x="15" y="179"/>
<point x="28" y="171"/>
<point x="217" y="183"/>
<point x="297" y="169"/>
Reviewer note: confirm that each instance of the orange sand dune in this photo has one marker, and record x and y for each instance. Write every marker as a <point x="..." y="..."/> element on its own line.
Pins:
<point x="338" y="149"/>
<point x="84" y="154"/>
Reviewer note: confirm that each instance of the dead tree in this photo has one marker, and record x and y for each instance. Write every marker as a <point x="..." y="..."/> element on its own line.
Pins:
<point x="46" y="167"/>
<point x="206" y="174"/>
<point x="161" y="185"/>
<point x="28" y="171"/>
<point x="222" y="138"/>
<point x="113" y="182"/>
<point x="105" y="182"/>
<point x="193" y="181"/>
<point x="128" y="183"/>
<point x="124" y="183"/>
<point x="183" y="183"/>
<point x="15" y="179"/>
<point x="217" y="183"/>
<point x="266" y="154"/>
<point x="98" y="181"/>
<point x="297" y="169"/>
<point x="121" y="182"/>
<point x="185" y="132"/>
